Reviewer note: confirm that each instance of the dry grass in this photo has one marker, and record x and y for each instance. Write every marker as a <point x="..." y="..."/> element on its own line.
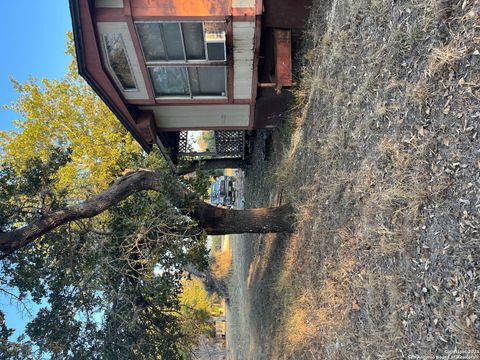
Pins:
<point x="445" y="57"/>
<point x="221" y="264"/>
<point x="310" y="318"/>
<point x="419" y="92"/>
<point x="302" y="325"/>
<point x="382" y="167"/>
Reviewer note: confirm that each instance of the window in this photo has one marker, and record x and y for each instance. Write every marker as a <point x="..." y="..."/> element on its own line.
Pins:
<point x="171" y="41"/>
<point x="187" y="44"/>
<point x="169" y="81"/>
<point x="118" y="61"/>
<point x="207" y="81"/>
<point x="173" y="81"/>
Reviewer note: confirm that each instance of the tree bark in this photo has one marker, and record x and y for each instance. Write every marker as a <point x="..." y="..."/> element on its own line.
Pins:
<point x="215" y="220"/>
<point x="221" y="221"/>
<point x="211" y="164"/>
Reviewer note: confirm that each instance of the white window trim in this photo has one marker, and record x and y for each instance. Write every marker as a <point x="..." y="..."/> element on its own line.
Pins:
<point x="112" y="71"/>
<point x="194" y="97"/>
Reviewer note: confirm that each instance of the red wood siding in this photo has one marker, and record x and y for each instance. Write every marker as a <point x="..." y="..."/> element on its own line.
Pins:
<point x="180" y="8"/>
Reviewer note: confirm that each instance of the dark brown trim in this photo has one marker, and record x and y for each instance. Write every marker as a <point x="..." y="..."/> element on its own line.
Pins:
<point x="258" y="7"/>
<point x="192" y="102"/>
<point x="83" y="26"/>
<point x="165" y="153"/>
<point x="256" y="55"/>
<point x="171" y="102"/>
<point x="140" y="59"/>
<point x="230" y="61"/>
<point x="242" y="101"/>
<point x="127" y="7"/>
<point x="146" y="125"/>
<point x="109" y="14"/>
<point x="185" y="64"/>
<point x="251" y="118"/>
<point x="244" y="18"/>
<point x="211" y="164"/>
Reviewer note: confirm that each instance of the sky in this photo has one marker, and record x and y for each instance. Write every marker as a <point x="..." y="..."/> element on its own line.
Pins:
<point x="32" y="43"/>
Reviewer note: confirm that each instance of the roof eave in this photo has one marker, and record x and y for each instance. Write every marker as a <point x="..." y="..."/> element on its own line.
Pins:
<point x="83" y="71"/>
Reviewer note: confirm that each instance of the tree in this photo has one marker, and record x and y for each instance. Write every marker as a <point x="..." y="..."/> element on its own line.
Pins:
<point x="214" y="220"/>
<point x="197" y="306"/>
<point x="10" y="350"/>
<point x="66" y="115"/>
<point x="112" y="284"/>
<point x="108" y="255"/>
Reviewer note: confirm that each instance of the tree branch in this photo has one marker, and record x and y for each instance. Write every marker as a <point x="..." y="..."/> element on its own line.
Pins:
<point x="214" y="220"/>
<point x="118" y="191"/>
<point x="17" y="299"/>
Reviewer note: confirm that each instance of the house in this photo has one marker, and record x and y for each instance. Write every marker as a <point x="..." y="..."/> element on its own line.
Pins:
<point x="168" y="68"/>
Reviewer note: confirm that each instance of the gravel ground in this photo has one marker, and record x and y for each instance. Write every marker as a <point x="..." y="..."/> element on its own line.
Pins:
<point x="383" y="167"/>
<point x="250" y="290"/>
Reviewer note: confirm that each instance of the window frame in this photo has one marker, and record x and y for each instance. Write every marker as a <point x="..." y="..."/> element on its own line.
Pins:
<point x="191" y="96"/>
<point x="185" y="63"/>
<point x="109" y="65"/>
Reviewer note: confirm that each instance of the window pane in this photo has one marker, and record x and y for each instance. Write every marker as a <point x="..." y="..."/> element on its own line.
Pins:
<point x="193" y="37"/>
<point x="207" y="81"/>
<point x="216" y="51"/>
<point x="169" y="81"/>
<point x="173" y="41"/>
<point x="152" y="43"/>
<point x="117" y="57"/>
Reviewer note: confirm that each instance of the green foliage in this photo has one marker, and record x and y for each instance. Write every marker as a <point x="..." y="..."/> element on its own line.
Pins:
<point x="67" y="114"/>
<point x="196" y="307"/>
<point x="30" y="192"/>
<point x="10" y="350"/>
<point x="199" y="182"/>
<point x="112" y="283"/>
<point x="7" y="187"/>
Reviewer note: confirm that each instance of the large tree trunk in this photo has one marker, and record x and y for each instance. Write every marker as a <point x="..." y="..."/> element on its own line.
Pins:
<point x="221" y="221"/>
<point x="210" y="164"/>
<point x="214" y="220"/>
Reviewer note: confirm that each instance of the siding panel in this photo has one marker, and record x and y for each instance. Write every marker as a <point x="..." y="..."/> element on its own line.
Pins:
<point x="243" y="51"/>
<point x="200" y="116"/>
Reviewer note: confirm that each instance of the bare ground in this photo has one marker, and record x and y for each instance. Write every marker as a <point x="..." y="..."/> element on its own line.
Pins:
<point x="382" y="161"/>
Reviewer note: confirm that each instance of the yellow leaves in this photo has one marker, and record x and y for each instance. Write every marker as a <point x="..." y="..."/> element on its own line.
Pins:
<point x="194" y="296"/>
<point x="66" y="113"/>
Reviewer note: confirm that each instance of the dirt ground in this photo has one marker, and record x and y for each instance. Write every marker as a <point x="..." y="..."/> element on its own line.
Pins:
<point x="381" y="159"/>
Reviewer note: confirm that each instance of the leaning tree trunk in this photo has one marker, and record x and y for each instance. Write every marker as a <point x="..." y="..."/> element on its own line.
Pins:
<point x="214" y="220"/>
<point x="220" y="221"/>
